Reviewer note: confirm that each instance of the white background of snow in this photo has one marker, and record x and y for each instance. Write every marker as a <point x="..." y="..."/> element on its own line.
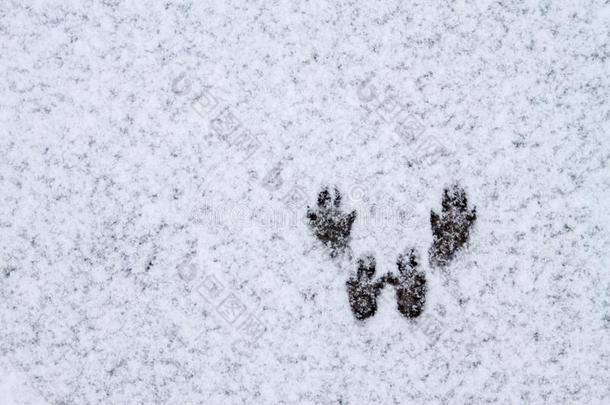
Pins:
<point x="104" y="168"/>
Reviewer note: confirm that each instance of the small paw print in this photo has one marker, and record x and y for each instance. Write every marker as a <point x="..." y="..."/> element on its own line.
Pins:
<point x="329" y="224"/>
<point x="363" y="290"/>
<point x="450" y="229"/>
<point x="410" y="284"/>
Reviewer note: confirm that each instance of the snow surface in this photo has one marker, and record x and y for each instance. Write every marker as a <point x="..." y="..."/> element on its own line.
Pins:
<point x="156" y="164"/>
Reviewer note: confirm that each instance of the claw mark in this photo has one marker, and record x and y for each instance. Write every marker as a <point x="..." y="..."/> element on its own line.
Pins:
<point x="451" y="229"/>
<point x="410" y="285"/>
<point x="329" y="224"/>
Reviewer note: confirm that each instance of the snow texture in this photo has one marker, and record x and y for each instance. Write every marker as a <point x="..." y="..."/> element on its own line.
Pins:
<point x="156" y="164"/>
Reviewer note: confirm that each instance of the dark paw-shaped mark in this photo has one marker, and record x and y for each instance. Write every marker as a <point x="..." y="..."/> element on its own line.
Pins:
<point x="329" y="224"/>
<point x="410" y="285"/>
<point x="363" y="290"/>
<point x="451" y="229"/>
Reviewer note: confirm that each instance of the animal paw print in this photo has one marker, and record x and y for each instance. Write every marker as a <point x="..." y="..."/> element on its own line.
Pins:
<point x="410" y="284"/>
<point x="329" y="224"/>
<point x="451" y="229"/>
<point x="362" y="290"/>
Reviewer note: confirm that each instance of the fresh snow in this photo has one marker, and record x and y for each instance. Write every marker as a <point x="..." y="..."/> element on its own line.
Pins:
<point x="157" y="160"/>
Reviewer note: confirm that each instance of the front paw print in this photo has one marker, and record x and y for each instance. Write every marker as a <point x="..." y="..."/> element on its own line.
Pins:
<point x="329" y="224"/>
<point x="362" y="290"/>
<point x="410" y="285"/>
<point x="452" y="228"/>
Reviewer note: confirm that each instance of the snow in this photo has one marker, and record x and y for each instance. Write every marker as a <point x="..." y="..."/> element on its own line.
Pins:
<point x="156" y="165"/>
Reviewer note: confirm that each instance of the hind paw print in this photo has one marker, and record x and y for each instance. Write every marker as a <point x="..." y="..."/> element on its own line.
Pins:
<point x="329" y="224"/>
<point x="450" y="229"/>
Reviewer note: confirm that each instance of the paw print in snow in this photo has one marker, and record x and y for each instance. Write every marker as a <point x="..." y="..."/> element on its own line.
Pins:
<point x="410" y="284"/>
<point x="450" y="229"/>
<point x="329" y="224"/>
<point x="363" y="290"/>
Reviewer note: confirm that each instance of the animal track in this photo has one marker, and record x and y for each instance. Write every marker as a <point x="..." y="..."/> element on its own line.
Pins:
<point x="410" y="285"/>
<point x="451" y="229"/>
<point x="450" y="232"/>
<point x="362" y="290"/>
<point x="329" y="224"/>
